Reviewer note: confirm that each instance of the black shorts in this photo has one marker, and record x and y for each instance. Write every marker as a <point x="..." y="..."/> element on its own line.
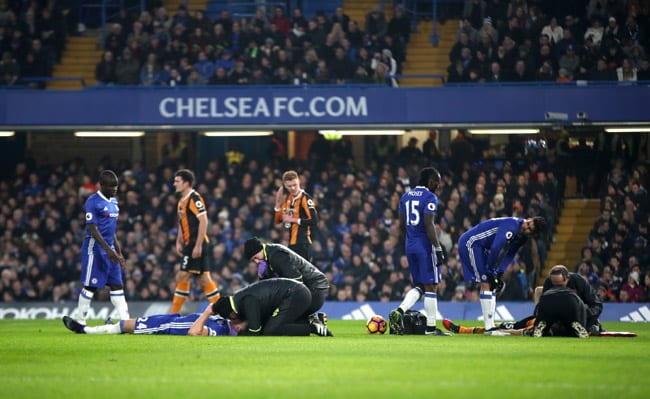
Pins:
<point x="195" y="265"/>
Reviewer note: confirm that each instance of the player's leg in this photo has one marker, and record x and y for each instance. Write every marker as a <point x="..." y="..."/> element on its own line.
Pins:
<point x="201" y="266"/>
<point x="210" y="288"/>
<point x="117" y="328"/>
<point x="548" y="312"/>
<point x="458" y="329"/>
<point x="93" y="276"/>
<point x="396" y="316"/>
<point x="474" y="270"/>
<point x="429" y="278"/>
<point x="317" y="300"/>
<point x="114" y="282"/>
<point x="182" y="291"/>
<point x="289" y="318"/>
<point x="576" y="315"/>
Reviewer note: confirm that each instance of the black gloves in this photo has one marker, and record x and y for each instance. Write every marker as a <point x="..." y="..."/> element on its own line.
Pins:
<point x="496" y="283"/>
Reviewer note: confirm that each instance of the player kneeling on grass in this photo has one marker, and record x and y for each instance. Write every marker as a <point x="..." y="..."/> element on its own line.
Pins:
<point x="162" y="324"/>
<point x="271" y="307"/>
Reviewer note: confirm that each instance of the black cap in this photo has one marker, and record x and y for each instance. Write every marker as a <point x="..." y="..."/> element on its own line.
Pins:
<point x="222" y="307"/>
<point x="251" y="247"/>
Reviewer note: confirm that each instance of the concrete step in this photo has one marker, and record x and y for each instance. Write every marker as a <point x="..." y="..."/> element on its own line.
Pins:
<point x="576" y="229"/>
<point x="83" y="46"/>
<point x="581" y="203"/>
<point x="65" y="85"/>
<point x="87" y="75"/>
<point x="420" y="82"/>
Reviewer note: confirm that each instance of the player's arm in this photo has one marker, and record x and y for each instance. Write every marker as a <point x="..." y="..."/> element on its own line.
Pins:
<point x="118" y="250"/>
<point x="179" y="240"/>
<point x="198" y="327"/>
<point x="201" y="234"/>
<point x="433" y="237"/>
<point x="94" y="232"/>
<point x="308" y="214"/>
<point x="431" y="230"/>
<point x="279" y="205"/>
<point x="402" y="226"/>
<point x="251" y="308"/>
<point x="500" y="245"/>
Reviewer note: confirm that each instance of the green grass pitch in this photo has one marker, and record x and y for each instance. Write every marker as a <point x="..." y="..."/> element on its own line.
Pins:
<point x="41" y="359"/>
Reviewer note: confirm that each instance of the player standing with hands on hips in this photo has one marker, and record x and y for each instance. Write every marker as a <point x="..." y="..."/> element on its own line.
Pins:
<point x="417" y="210"/>
<point x="296" y="210"/>
<point x="101" y="254"/>
<point x="191" y="242"/>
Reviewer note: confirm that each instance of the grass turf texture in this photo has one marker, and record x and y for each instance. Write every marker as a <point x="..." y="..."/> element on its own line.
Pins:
<point x="41" y="359"/>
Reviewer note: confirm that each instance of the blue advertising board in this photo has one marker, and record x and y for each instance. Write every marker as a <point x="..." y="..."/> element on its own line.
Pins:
<point x="308" y="106"/>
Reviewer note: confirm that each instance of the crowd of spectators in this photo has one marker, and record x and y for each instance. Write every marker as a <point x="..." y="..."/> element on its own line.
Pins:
<point x="271" y="47"/>
<point x="356" y="243"/>
<point x="525" y="40"/>
<point x="616" y="259"/>
<point x="32" y="38"/>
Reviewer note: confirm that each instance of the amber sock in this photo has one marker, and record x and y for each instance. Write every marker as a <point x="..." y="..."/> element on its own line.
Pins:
<point x="180" y="296"/>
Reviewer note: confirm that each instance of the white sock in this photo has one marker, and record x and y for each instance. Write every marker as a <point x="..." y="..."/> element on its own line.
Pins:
<point x="488" y="305"/>
<point x="119" y="301"/>
<point x="494" y="307"/>
<point x="85" y="297"/>
<point x="105" y="329"/>
<point x="411" y="298"/>
<point x="431" y="308"/>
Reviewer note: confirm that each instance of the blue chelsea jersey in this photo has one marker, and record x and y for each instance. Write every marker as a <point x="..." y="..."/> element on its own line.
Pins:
<point x="413" y="206"/>
<point x="102" y="212"/>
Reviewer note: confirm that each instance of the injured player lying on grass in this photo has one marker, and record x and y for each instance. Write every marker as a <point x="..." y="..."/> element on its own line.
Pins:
<point x="523" y="327"/>
<point x="165" y="324"/>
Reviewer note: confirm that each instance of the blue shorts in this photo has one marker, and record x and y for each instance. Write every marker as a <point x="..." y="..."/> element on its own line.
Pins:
<point x="423" y="268"/>
<point x="97" y="270"/>
<point x="473" y="260"/>
<point x="175" y="324"/>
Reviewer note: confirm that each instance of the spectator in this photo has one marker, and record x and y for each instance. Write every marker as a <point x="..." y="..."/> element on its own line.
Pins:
<point x="375" y="25"/>
<point x="149" y="73"/>
<point x="342" y="18"/>
<point x="240" y="75"/>
<point x="633" y="291"/>
<point x="474" y="12"/>
<point x="595" y="32"/>
<point x="9" y="70"/>
<point x="281" y="21"/>
<point x="626" y="71"/>
<point x="105" y="70"/>
<point x="602" y="72"/>
<point x="399" y="26"/>
<point x="127" y="69"/>
<point x="643" y="73"/>
<point x="410" y="153"/>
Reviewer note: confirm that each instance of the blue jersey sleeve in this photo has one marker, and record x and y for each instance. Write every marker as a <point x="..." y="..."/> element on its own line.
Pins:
<point x="91" y="210"/>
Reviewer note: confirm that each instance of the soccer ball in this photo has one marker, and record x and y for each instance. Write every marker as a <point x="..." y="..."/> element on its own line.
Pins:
<point x="376" y="325"/>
